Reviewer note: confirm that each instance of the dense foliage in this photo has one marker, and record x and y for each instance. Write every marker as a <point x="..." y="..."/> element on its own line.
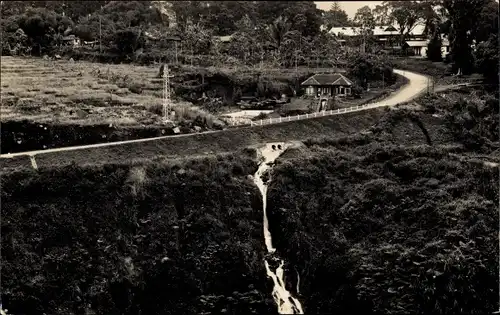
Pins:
<point x="157" y="238"/>
<point x="378" y="229"/>
<point x="274" y="33"/>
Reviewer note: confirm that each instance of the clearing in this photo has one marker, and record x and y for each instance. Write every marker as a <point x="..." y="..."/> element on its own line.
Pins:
<point x="85" y="93"/>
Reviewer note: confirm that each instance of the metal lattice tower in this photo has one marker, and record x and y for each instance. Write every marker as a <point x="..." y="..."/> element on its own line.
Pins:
<point x="166" y="93"/>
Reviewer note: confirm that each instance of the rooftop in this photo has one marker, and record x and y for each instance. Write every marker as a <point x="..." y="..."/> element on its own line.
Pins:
<point x="327" y="79"/>
<point x="379" y="30"/>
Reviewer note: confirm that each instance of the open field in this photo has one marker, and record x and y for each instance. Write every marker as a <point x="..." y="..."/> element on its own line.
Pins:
<point x="84" y="93"/>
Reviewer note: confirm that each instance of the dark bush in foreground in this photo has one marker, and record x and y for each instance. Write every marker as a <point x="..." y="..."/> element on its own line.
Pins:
<point x="175" y="238"/>
<point x="388" y="230"/>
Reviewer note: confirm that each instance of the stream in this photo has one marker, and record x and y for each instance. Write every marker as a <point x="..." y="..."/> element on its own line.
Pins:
<point x="287" y="304"/>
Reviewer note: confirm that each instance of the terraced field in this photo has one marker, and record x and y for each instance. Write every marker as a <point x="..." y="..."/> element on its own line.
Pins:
<point x="64" y="92"/>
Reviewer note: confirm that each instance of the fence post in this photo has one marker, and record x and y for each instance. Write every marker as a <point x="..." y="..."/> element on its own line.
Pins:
<point x="307" y="115"/>
<point x="261" y="122"/>
<point x="280" y="118"/>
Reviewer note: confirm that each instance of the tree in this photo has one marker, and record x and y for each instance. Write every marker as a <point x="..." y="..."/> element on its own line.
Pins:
<point x="487" y="59"/>
<point x="463" y="15"/>
<point x="434" y="48"/>
<point x="303" y="16"/>
<point x="487" y="22"/>
<point x="128" y="41"/>
<point x="364" y="18"/>
<point x="197" y="39"/>
<point x="277" y="31"/>
<point x="381" y="14"/>
<point x="486" y="35"/>
<point x="335" y="17"/>
<point x="405" y="14"/>
<point x="42" y="26"/>
<point x="368" y="67"/>
<point x="432" y="18"/>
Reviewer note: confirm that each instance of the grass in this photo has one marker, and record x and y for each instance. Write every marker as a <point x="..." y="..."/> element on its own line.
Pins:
<point x="75" y="86"/>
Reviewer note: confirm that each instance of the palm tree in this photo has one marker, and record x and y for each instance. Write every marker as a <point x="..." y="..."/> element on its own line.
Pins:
<point x="277" y="31"/>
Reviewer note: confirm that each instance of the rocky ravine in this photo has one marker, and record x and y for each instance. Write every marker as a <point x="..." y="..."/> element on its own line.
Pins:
<point x="286" y="302"/>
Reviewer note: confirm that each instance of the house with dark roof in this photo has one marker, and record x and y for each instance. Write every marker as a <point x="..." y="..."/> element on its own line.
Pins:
<point x="327" y="85"/>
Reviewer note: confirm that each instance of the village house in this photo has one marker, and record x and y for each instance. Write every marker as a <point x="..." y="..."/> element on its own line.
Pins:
<point x="387" y="37"/>
<point x="327" y="85"/>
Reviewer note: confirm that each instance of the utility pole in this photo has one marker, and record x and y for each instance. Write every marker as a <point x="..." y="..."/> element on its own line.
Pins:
<point x="364" y="40"/>
<point x="166" y="93"/>
<point x="176" y="59"/>
<point x="296" y="61"/>
<point x="100" y="32"/>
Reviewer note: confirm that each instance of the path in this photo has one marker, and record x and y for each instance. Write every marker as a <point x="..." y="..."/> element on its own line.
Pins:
<point x="417" y="85"/>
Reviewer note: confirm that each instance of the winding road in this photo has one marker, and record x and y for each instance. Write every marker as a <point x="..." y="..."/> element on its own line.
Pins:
<point x="417" y="84"/>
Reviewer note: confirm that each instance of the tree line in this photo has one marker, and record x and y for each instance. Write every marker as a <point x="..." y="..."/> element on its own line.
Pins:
<point x="283" y="33"/>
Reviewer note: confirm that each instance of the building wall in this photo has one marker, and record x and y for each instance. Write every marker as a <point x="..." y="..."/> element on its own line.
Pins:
<point x="444" y="51"/>
<point x="330" y="91"/>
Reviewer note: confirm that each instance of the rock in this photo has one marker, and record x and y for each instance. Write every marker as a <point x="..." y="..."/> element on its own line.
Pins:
<point x="45" y="57"/>
<point x="197" y="128"/>
<point x="176" y="130"/>
<point x="57" y="56"/>
<point x="71" y="60"/>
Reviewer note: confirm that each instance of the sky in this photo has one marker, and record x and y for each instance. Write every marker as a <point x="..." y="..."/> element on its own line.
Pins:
<point x="350" y="7"/>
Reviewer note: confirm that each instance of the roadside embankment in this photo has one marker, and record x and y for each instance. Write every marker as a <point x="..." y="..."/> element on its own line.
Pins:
<point x="206" y="143"/>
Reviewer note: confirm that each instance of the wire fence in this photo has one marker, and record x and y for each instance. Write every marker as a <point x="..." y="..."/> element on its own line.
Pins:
<point x="331" y="112"/>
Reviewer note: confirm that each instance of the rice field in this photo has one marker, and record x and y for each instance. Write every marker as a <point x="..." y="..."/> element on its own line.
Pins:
<point x="84" y="93"/>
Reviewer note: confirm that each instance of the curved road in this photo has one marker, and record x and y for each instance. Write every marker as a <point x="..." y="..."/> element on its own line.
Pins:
<point x="417" y="84"/>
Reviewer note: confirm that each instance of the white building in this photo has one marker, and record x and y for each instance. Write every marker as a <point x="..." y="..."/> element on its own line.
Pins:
<point x="388" y="36"/>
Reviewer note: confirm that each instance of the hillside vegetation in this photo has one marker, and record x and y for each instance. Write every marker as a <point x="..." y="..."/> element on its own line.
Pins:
<point x="382" y="222"/>
<point x="166" y="237"/>
<point x="382" y="229"/>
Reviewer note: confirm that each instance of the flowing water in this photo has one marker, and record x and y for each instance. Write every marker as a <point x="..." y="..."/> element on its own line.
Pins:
<point x="287" y="304"/>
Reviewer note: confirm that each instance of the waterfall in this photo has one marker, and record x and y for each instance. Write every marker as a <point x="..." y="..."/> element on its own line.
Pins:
<point x="287" y="304"/>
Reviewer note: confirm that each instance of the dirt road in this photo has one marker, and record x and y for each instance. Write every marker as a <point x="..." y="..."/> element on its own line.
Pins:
<point x="417" y="85"/>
